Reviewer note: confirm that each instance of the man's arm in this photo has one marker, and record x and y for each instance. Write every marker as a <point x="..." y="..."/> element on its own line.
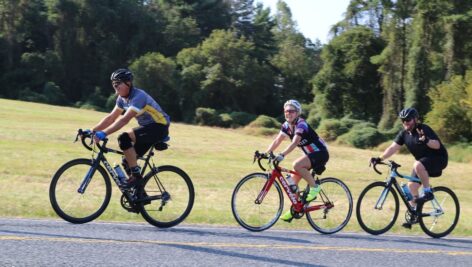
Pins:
<point x="118" y="124"/>
<point x="392" y="149"/>
<point x="108" y="120"/>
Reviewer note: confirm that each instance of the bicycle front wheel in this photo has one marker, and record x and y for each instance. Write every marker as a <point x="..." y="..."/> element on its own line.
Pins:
<point x="73" y="206"/>
<point x="168" y="196"/>
<point x="439" y="216"/>
<point x="337" y="199"/>
<point x="377" y="208"/>
<point x="256" y="216"/>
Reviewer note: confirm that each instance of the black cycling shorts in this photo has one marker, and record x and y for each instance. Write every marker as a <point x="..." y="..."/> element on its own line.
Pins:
<point x="148" y="135"/>
<point x="318" y="159"/>
<point x="433" y="164"/>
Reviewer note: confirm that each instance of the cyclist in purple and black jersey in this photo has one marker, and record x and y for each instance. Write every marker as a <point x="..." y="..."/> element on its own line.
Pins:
<point x="131" y="103"/>
<point x="302" y="135"/>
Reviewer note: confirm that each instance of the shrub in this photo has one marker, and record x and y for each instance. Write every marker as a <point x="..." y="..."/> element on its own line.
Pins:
<point x="207" y="116"/>
<point x="330" y="129"/>
<point x="362" y="135"/>
<point x="225" y="120"/>
<point x="264" y="121"/>
<point x="241" y="118"/>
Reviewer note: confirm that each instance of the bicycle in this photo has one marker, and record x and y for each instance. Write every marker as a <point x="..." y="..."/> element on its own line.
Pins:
<point x="378" y="206"/>
<point x="258" y="201"/>
<point x="80" y="190"/>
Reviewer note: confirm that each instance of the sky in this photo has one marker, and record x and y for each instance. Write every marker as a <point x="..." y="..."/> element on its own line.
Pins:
<point x="313" y="17"/>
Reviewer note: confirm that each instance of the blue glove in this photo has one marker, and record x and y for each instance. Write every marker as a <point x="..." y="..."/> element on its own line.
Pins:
<point x="100" y="135"/>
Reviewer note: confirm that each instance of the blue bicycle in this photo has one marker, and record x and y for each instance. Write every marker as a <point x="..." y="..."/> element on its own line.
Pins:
<point x="378" y="206"/>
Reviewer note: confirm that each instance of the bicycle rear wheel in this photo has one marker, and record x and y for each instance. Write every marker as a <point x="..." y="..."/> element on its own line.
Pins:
<point x="439" y="217"/>
<point x="331" y="219"/>
<point x="377" y="208"/>
<point x="169" y="196"/>
<point x="73" y="206"/>
<point x="249" y="214"/>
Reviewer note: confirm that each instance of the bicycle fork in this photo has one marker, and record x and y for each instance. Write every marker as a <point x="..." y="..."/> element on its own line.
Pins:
<point x="88" y="176"/>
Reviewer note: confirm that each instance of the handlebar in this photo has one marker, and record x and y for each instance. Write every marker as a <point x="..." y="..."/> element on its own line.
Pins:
<point x="89" y="134"/>
<point x="270" y="157"/>
<point x="392" y="164"/>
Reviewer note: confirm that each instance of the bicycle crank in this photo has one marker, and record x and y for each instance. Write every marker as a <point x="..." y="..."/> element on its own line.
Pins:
<point x="127" y="205"/>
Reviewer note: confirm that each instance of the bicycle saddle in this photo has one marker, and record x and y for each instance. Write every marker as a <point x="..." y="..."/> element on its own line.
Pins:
<point x="319" y="169"/>
<point x="162" y="145"/>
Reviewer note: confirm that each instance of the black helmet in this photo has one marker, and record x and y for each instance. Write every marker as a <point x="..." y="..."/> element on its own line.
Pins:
<point x="122" y="75"/>
<point x="408" y="113"/>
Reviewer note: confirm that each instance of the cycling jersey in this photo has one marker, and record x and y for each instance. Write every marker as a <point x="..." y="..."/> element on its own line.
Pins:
<point x="416" y="148"/>
<point x="147" y="108"/>
<point x="310" y="141"/>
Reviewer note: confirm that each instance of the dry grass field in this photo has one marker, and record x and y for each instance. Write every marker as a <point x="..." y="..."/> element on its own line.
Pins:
<point x="36" y="139"/>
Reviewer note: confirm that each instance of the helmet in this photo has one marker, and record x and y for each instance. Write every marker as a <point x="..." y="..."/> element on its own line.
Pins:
<point x="122" y="75"/>
<point x="408" y="113"/>
<point x="295" y="104"/>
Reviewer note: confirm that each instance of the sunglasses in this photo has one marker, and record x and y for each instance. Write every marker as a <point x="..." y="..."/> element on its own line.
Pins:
<point x="116" y="83"/>
<point x="407" y="119"/>
<point x="290" y="111"/>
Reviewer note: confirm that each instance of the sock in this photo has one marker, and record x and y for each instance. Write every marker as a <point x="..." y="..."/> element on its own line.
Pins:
<point x="135" y="169"/>
<point x="427" y="189"/>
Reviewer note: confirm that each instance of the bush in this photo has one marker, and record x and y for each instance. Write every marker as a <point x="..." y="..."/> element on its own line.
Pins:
<point x="362" y="135"/>
<point x="207" y="116"/>
<point x="330" y="129"/>
<point x="264" y="121"/>
<point x="241" y="118"/>
<point x="225" y="120"/>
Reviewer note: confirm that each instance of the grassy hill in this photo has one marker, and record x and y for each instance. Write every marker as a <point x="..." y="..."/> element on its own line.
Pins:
<point x="36" y="139"/>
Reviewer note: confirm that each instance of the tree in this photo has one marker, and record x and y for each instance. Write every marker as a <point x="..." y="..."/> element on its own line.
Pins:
<point x="348" y="79"/>
<point x="158" y="76"/>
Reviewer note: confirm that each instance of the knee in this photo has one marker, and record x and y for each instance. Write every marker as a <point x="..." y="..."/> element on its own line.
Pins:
<point x="418" y="166"/>
<point x="124" y="141"/>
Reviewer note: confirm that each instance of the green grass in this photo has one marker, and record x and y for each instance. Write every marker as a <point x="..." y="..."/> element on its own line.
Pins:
<point x="36" y="139"/>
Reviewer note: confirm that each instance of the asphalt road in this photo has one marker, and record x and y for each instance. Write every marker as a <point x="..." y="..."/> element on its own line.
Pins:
<point x="26" y="242"/>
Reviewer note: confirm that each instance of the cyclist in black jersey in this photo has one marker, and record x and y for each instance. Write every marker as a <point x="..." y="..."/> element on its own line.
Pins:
<point x="430" y="154"/>
<point x="131" y="103"/>
<point x="302" y="135"/>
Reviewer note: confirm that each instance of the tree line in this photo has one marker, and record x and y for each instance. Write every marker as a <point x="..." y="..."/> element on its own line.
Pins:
<point x="234" y="59"/>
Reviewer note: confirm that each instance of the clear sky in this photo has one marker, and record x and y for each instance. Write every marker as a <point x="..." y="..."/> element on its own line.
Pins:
<point x="314" y="17"/>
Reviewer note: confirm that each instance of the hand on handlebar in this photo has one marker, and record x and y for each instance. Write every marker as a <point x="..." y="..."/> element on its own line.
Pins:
<point x="279" y="157"/>
<point x="374" y="161"/>
<point x="98" y="136"/>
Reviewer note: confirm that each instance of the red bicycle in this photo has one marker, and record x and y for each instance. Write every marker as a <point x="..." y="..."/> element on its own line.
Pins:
<point x="257" y="206"/>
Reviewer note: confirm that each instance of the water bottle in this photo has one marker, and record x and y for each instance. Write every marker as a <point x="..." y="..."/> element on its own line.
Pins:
<point x="406" y="191"/>
<point x="120" y="173"/>
<point x="291" y="183"/>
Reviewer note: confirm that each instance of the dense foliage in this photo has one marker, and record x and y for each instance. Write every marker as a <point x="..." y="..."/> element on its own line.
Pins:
<point x="224" y="62"/>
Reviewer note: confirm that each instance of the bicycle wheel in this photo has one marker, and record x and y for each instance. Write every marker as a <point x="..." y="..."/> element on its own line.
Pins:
<point x="73" y="206"/>
<point x="377" y="209"/>
<point x="249" y="214"/>
<point x="440" y="215"/>
<point x="331" y="220"/>
<point x="171" y="195"/>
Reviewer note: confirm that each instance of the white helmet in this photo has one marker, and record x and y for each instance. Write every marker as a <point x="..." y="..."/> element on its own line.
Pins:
<point x="295" y="104"/>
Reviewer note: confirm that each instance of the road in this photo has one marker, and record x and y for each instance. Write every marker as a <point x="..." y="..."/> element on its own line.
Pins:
<point x="25" y="242"/>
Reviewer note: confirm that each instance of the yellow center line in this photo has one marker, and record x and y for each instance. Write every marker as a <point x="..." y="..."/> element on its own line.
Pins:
<point x="237" y="245"/>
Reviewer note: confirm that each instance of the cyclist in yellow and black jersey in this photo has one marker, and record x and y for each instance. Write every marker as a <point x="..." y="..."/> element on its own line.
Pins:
<point x="131" y="103"/>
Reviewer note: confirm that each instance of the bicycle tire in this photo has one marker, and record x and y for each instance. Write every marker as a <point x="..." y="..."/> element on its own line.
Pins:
<point x="331" y="220"/>
<point x="174" y="196"/>
<point x="73" y="206"/>
<point x="256" y="217"/>
<point x="377" y="221"/>
<point x="439" y="225"/>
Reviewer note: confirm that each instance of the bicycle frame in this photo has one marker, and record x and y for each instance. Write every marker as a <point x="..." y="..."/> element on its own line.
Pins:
<point x="392" y="181"/>
<point x="298" y="205"/>
<point x="101" y="158"/>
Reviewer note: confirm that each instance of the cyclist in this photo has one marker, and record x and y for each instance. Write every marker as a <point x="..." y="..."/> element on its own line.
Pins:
<point x="430" y="154"/>
<point x="302" y="135"/>
<point x="131" y="103"/>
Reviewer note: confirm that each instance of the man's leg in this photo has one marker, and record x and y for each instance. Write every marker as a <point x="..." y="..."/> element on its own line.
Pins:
<point x="422" y="173"/>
